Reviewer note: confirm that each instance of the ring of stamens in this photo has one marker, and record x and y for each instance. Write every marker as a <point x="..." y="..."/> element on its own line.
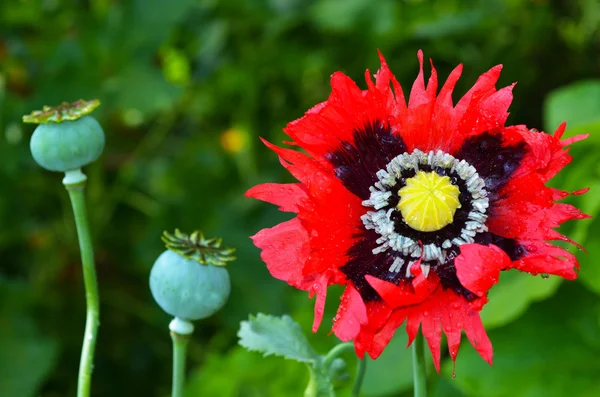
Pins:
<point x="382" y="219"/>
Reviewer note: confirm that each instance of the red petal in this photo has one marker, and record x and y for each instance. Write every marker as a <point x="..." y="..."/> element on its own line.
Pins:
<point x="285" y="249"/>
<point x="445" y="96"/>
<point x="375" y="341"/>
<point x="543" y="257"/>
<point x="286" y="196"/>
<point x="527" y="210"/>
<point x="347" y="109"/>
<point x="478" y="337"/>
<point x="478" y="267"/>
<point x="352" y="313"/>
<point x="319" y="288"/>
<point x="302" y="167"/>
<point x="377" y="332"/>
<point x="448" y="312"/>
<point x="404" y="295"/>
<point x="419" y="95"/>
<point x="384" y="76"/>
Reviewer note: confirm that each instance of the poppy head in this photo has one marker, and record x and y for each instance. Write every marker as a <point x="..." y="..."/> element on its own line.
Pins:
<point x="415" y="207"/>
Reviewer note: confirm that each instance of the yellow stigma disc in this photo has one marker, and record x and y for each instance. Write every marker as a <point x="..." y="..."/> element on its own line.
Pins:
<point x="428" y="201"/>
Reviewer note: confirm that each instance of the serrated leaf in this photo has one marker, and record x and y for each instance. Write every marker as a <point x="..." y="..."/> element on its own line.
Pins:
<point x="279" y="336"/>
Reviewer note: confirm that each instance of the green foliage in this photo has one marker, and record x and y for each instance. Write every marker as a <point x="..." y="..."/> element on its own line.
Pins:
<point x="511" y="297"/>
<point x="279" y="336"/>
<point x="562" y="341"/>
<point x="578" y="104"/>
<point x="396" y="360"/>
<point x="282" y="336"/>
<point x="187" y="88"/>
<point x="26" y="357"/>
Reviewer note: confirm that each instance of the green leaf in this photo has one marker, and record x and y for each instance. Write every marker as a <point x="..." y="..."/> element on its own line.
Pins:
<point x="578" y="105"/>
<point x="551" y="352"/>
<point x="511" y="297"/>
<point x="280" y="336"/>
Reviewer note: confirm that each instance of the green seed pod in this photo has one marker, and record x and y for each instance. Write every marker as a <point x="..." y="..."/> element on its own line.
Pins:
<point x="187" y="289"/>
<point x="67" y="145"/>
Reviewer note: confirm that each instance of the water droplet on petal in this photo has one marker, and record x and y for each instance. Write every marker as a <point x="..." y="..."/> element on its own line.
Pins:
<point x="454" y="370"/>
<point x="426" y="313"/>
<point x="531" y="248"/>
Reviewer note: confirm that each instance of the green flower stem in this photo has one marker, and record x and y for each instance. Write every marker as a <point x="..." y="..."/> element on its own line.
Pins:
<point x="360" y="375"/>
<point x="419" y="376"/>
<point x="180" y="335"/>
<point x="337" y="351"/>
<point x="75" y="184"/>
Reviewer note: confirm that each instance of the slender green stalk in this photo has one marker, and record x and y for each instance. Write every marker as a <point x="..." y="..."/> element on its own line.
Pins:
<point x="180" y="343"/>
<point x="419" y="376"/>
<point x="86" y="365"/>
<point x="337" y="351"/>
<point x="361" y="368"/>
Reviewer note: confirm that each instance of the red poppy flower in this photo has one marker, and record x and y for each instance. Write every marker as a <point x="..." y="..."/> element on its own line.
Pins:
<point x="415" y="208"/>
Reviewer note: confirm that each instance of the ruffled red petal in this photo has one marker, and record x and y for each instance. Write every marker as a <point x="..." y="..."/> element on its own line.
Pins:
<point x="319" y="288"/>
<point x="375" y="336"/>
<point x="478" y="267"/>
<point x="440" y="310"/>
<point x="347" y="109"/>
<point x="377" y="332"/>
<point x="286" y="196"/>
<point x="432" y="123"/>
<point x="405" y="294"/>
<point x="352" y="314"/>
<point x="448" y="312"/>
<point x="527" y="209"/>
<point x="543" y="257"/>
<point x="285" y="249"/>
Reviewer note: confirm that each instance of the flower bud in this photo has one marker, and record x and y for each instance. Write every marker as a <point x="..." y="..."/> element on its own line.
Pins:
<point x="68" y="145"/>
<point x="187" y="289"/>
<point x="189" y="280"/>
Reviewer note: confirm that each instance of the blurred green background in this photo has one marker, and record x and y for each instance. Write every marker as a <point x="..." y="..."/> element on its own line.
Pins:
<point x="187" y="88"/>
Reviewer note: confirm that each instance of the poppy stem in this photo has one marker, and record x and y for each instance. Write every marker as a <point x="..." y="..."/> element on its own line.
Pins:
<point x="180" y="335"/>
<point x="361" y="367"/>
<point x="75" y="184"/>
<point x="419" y="375"/>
